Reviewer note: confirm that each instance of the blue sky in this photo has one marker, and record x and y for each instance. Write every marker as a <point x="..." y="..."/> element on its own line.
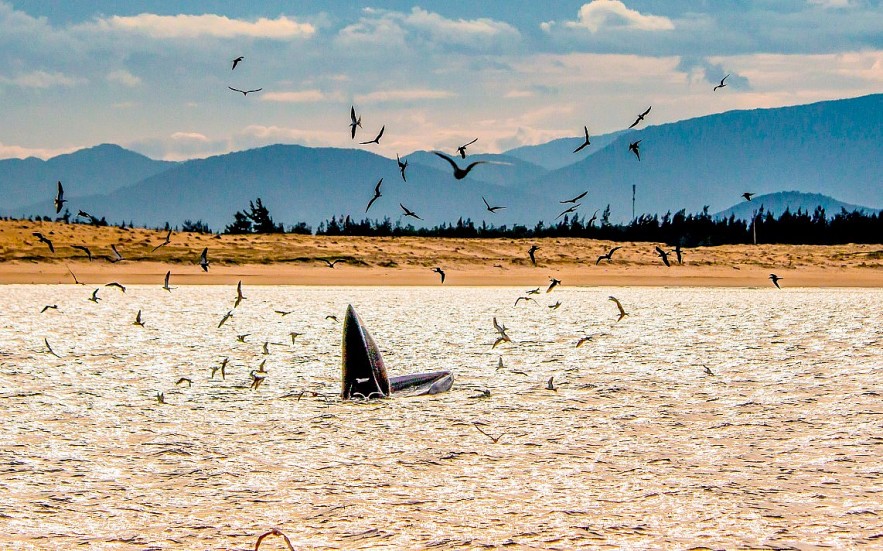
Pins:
<point x="153" y="75"/>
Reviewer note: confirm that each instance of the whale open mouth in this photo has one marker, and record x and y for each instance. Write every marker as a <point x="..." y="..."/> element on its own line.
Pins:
<point x="364" y="373"/>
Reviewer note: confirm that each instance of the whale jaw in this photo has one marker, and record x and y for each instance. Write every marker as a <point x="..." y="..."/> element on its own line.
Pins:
<point x="363" y="372"/>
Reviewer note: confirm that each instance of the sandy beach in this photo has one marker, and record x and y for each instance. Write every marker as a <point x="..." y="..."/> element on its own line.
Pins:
<point x="298" y="260"/>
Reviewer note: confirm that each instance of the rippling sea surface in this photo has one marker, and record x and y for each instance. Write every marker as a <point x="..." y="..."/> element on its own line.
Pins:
<point x="638" y="447"/>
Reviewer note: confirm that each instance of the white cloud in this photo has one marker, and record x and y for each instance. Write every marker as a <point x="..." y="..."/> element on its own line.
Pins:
<point x="829" y="4"/>
<point x="414" y="94"/>
<point x="20" y="152"/>
<point x="124" y="77"/>
<point x="193" y="26"/>
<point x="189" y="137"/>
<point x="42" y="79"/>
<point x="303" y="96"/>
<point x="607" y="14"/>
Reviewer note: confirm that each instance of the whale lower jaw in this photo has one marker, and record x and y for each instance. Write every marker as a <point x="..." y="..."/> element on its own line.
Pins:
<point x="363" y="373"/>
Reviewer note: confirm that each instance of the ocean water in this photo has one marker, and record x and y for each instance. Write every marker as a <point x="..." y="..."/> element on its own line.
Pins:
<point x="637" y="447"/>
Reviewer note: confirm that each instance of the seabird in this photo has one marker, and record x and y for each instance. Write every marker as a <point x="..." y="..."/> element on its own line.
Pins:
<point x="410" y="213"/>
<point x="59" y="198"/>
<point x="640" y="117"/>
<point x="533" y="291"/>
<point x="474" y="424"/>
<point x="332" y="317"/>
<point x="203" y="260"/>
<point x="138" y="321"/>
<point x="165" y="284"/>
<point x="585" y="143"/>
<point x="117" y="285"/>
<point x="236" y="61"/>
<point x="48" y="306"/>
<point x="222" y="368"/>
<point x="583" y="340"/>
<point x="283" y="313"/>
<point x="748" y="195"/>
<point x="183" y="380"/>
<point x="490" y="208"/>
<point x="459" y="173"/>
<point x="462" y="149"/>
<point x="549" y="385"/>
<point x="440" y="272"/>
<point x="663" y="255"/>
<point x="245" y="92"/>
<point x="377" y="195"/>
<point x="377" y="139"/>
<point x="622" y="312"/>
<point x="354" y="121"/>
<point x="575" y="199"/>
<point x="165" y="242"/>
<point x="116" y="255"/>
<point x="84" y="214"/>
<point x="721" y="85"/>
<point x="402" y="166"/>
<point x="294" y="335"/>
<point x="567" y="210"/>
<point x="44" y="239"/>
<point x="239" y="296"/>
<point x="227" y="316"/>
<point x="331" y="263"/>
<point x="707" y="370"/>
<point x="95" y="298"/>
<point x="76" y="281"/>
<point x="608" y="256"/>
<point x="554" y="283"/>
<point x="519" y="299"/>
<point x="775" y="279"/>
<point x="160" y="397"/>
<point x="677" y="251"/>
<point x="634" y="148"/>
<point x="241" y="338"/>
<point x="533" y="249"/>
<point x="84" y="249"/>
<point x="555" y="306"/>
<point x="49" y="348"/>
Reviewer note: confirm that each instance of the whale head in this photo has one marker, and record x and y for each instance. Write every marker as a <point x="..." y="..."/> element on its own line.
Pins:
<point x="363" y="371"/>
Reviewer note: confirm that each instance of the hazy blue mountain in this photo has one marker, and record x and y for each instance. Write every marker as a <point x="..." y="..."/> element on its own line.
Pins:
<point x="96" y="170"/>
<point x="831" y="147"/>
<point x="502" y="170"/>
<point x="777" y="203"/>
<point x="302" y="184"/>
<point x="559" y="153"/>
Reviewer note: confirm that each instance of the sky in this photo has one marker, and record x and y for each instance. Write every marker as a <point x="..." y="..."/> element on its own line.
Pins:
<point x="153" y="76"/>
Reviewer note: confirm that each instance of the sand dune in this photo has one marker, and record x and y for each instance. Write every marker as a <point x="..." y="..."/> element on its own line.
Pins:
<point x="297" y="259"/>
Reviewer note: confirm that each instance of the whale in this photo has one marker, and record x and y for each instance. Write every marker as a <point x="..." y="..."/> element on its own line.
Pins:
<point x="363" y="373"/>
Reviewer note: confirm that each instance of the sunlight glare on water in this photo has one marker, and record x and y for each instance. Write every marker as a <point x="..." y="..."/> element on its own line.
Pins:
<point x="638" y="447"/>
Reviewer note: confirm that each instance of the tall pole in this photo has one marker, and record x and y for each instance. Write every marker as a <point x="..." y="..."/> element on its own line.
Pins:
<point x="754" y="227"/>
<point x="633" y="201"/>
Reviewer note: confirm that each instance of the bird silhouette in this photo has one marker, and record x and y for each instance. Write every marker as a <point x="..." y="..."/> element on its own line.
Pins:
<point x="241" y="338"/>
<point x="575" y="199"/>
<point x="641" y="117"/>
<point x="555" y="306"/>
<point x="622" y="312"/>
<point x="239" y="297"/>
<point x="634" y="147"/>
<point x="354" y="121"/>
<point x="117" y="285"/>
<point x="183" y="380"/>
<point x="161" y="397"/>
<point x="59" y="198"/>
<point x="236" y="61"/>
<point x="165" y="242"/>
<point x="550" y="385"/>
<point x="84" y="249"/>
<point x="165" y="284"/>
<point x="775" y="279"/>
<point x="95" y="298"/>
<point x="203" y="260"/>
<point x="678" y="253"/>
<point x="440" y="272"/>
<point x="494" y="439"/>
<point x="84" y="214"/>
<point x="568" y="210"/>
<point x="117" y="257"/>
<point x="490" y="208"/>
<point x="554" y="283"/>
<point x="43" y="239"/>
<point x="519" y="299"/>
<point x="663" y="255"/>
<point x="707" y="370"/>
<point x="459" y="173"/>
<point x="331" y="263"/>
<point x="76" y="281"/>
<point x="593" y="218"/>
<point x="721" y="85"/>
<point x="462" y="149"/>
<point x="377" y="195"/>
<point x="138" y="320"/>
<point x="410" y="213"/>
<point x="585" y="143"/>
<point x="245" y="92"/>
<point x="49" y="348"/>
<point x="377" y="139"/>
<point x="534" y="291"/>
<point x="608" y="256"/>
<point x="284" y="313"/>
<point x="48" y="307"/>
<point x="583" y="340"/>
<point x="332" y="318"/>
<point x="533" y="249"/>
<point x="402" y="166"/>
<point x="222" y="368"/>
<point x="227" y="316"/>
<point x="748" y="195"/>
<point x="294" y="335"/>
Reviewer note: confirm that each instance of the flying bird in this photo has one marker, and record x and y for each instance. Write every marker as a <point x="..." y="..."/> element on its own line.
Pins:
<point x="490" y="208"/>
<point x="222" y="368"/>
<point x="575" y="199"/>
<point x="116" y="255"/>
<point x="501" y="329"/>
<point x="493" y="439"/>
<point x="165" y="284"/>
<point x="377" y="195"/>
<point x="76" y="281"/>
<point x="402" y="166"/>
<point x="332" y="318"/>
<point x="608" y="256"/>
<point x="203" y="260"/>
<point x="678" y="253"/>
<point x="555" y="306"/>
<point x="227" y="316"/>
<point x="519" y="299"/>
<point x="567" y="210"/>
<point x="549" y="385"/>
<point x="331" y="263"/>
<point x="95" y="298"/>
<point x="583" y="340"/>
<point x="634" y="148"/>
<point x="459" y="173"/>
<point x="84" y="214"/>
<point x="160" y="397"/>
<point x="377" y="139"/>
<point x="49" y="348"/>
<point x="117" y="285"/>
<point x="44" y="239"/>
<point x="663" y="255"/>
<point x="707" y="370"/>
<point x="283" y="313"/>
<point x="294" y="335"/>
<point x="775" y="279"/>
<point x="640" y="117"/>
<point x="440" y="272"/>
<point x="533" y="249"/>
<point x="236" y="61"/>
<point x="593" y="218"/>
<point x="748" y="195"/>
<point x="245" y="92"/>
<point x="533" y="291"/>
<point x="59" y="198"/>
<point x="622" y="312"/>
<point x="241" y="338"/>
<point x="239" y="296"/>
<point x="84" y="249"/>
<point x="183" y="380"/>
<point x="462" y="149"/>
<point x="722" y="84"/>
<point x="554" y="283"/>
<point x="354" y="121"/>
<point x="165" y="242"/>
<point x="138" y="321"/>
<point x="585" y="143"/>
<point x="410" y="213"/>
<point x="49" y="306"/>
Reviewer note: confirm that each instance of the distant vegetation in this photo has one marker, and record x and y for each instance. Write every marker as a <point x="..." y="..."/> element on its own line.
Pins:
<point x="688" y="230"/>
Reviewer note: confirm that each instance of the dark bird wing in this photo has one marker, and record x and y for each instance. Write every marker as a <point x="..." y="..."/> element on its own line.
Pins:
<point x="575" y="199"/>
<point x="663" y="255"/>
<point x="237" y="90"/>
<point x="448" y="159"/>
<point x="584" y="144"/>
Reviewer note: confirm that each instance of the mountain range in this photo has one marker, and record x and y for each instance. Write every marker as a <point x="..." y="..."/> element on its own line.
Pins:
<point x="830" y="148"/>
